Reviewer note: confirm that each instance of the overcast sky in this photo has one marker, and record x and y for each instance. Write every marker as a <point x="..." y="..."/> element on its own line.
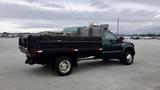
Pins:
<point x="39" y="15"/>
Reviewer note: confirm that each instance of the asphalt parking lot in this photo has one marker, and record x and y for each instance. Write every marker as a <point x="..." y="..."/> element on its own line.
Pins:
<point x="143" y="74"/>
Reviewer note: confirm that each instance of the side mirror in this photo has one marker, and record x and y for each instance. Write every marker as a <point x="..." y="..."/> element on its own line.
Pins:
<point x="120" y="39"/>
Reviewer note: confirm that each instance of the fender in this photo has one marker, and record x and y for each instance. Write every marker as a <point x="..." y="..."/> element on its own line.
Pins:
<point x="127" y="47"/>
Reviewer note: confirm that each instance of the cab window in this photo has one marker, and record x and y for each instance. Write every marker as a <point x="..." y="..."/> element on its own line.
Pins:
<point x="109" y="38"/>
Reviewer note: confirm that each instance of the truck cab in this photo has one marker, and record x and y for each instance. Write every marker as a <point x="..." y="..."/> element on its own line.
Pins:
<point x="115" y="48"/>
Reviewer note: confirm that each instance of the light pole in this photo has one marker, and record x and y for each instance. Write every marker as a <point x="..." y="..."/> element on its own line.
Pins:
<point x="118" y="26"/>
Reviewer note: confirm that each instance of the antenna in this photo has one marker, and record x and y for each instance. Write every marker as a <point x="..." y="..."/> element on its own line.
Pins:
<point x="118" y="26"/>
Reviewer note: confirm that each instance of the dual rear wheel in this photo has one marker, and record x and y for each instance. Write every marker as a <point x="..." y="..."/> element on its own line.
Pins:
<point x="63" y="66"/>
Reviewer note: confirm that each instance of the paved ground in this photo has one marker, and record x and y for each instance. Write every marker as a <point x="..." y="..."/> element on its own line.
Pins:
<point x="144" y="74"/>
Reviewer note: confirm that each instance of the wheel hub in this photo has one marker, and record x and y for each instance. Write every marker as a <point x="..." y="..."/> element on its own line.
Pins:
<point x="129" y="58"/>
<point x="64" y="66"/>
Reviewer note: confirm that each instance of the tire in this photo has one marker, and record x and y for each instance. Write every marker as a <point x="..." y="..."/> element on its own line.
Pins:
<point x="63" y="66"/>
<point x="127" y="58"/>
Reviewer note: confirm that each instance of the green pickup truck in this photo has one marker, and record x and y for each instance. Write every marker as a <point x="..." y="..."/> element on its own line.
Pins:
<point x="63" y="52"/>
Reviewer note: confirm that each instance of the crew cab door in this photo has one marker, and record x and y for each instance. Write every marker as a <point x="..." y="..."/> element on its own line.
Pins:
<point x="111" y="47"/>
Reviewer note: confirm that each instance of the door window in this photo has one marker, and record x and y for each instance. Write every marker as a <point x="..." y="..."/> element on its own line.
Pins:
<point x="109" y="38"/>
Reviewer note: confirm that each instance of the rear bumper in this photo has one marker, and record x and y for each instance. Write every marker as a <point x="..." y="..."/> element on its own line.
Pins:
<point x="29" y="61"/>
<point x="36" y="59"/>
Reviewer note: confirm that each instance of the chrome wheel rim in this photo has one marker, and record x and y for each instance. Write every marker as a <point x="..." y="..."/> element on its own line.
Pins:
<point x="64" y="66"/>
<point x="129" y="58"/>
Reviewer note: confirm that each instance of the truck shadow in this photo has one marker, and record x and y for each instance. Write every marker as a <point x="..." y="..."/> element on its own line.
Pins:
<point x="41" y="71"/>
<point x="92" y="65"/>
<point x="83" y="66"/>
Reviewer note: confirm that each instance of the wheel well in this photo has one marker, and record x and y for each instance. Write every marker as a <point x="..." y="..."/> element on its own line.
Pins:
<point x="130" y="49"/>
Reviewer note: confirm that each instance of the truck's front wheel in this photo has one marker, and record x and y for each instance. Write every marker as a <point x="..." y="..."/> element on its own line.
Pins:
<point x="63" y="66"/>
<point x="127" y="58"/>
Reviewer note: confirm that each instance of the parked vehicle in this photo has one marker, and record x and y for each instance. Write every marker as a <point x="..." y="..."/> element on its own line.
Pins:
<point x="127" y="38"/>
<point x="135" y="38"/>
<point x="146" y="38"/>
<point x="63" y="52"/>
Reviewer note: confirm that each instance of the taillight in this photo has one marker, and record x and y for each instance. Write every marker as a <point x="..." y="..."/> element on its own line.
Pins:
<point x="99" y="49"/>
<point x="73" y="50"/>
<point x="34" y="51"/>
